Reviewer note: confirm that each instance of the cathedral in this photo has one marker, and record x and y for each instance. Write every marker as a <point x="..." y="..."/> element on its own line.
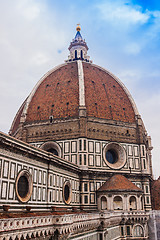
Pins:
<point x="77" y="161"/>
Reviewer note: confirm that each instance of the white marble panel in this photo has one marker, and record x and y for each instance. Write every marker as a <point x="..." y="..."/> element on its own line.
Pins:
<point x="130" y="153"/>
<point x="54" y="195"/>
<point x="98" y="147"/>
<point x="44" y="178"/>
<point x="39" y="193"/>
<point x="136" y="152"/>
<point x="74" y="147"/>
<point x="74" y="158"/>
<point x="40" y="176"/>
<point x="131" y="163"/>
<point x="136" y="163"/>
<point x="5" y="169"/>
<point x="4" y="190"/>
<point x="34" y="193"/>
<point x="91" y="159"/>
<point x="98" y="160"/>
<point x="11" y="190"/>
<point x="91" y="146"/>
<point x="44" y="194"/>
<point x="66" y="147"/>
<point x="13" y="169"/>
<point x="92" y="198"/>
<point x="35" y="175"/>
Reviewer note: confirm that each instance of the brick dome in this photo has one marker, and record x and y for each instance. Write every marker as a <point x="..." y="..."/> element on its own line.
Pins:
<point x="79" y="97"/>
<point x="57" y="95"/>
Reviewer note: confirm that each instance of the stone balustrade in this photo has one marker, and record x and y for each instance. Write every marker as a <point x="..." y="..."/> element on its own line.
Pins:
<point x="36" y="226"/>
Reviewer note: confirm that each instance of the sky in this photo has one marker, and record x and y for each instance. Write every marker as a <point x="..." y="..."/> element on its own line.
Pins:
<point x="122" y="36"/>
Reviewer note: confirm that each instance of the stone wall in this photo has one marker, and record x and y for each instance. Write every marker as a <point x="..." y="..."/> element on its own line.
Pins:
<point x="154" y="225"/>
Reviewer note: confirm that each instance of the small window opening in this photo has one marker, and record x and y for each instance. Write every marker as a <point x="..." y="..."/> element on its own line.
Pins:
<point x="52" y="150"/>
<point x="80" y="159"/>
<point x="85" y="162"/>
<point x="85" y="199"/>
<point x="143" y="151"/>
<point x="75" y="54"/>
<point x="38" y="107"/>
<point x="81" y="54"/>
<point x="85" y="187"/>
<point x="147" y="200"/>
<point x="122" y="231"/>
<point x="80" y="145"/>
<point x="147" y="190"/>
<point x="128" y="230"/>
<point x="51" y="119"/>
<point x="84" y="145"/>
<point x="100" y="236"/>
<point x="144" y="163"/>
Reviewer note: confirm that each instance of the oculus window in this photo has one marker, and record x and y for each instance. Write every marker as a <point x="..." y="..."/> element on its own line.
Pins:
<point x="114" y="155"/>
<point x="67" y="192"/>
<point x="24" y="186"/>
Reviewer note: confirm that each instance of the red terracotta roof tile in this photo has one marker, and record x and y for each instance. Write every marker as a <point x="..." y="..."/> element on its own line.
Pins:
<point x="58" y="96"/>
<point x="155" y="194"/>
<point x="118" y="183"/>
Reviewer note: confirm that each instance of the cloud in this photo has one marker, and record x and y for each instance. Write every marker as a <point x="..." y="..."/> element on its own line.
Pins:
<point x="118" y="13"/>
<point x="122" y="37"/>
<point x="29" y="9"/>
<point x="149" y="105"/>
<point x="29" y="43"/>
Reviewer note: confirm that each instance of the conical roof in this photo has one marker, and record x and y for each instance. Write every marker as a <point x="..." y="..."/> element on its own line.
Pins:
<point x="118" y="183"/>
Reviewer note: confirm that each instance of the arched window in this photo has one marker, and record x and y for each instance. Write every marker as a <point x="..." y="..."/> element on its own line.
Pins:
<point x="75" y="54"/>
<point x="103" y="203"/>
<point x="138" y="231"/>
<point x="81" y="54"/>
<point x="52" y="147"/>
<point x="52" y="150"/>
<point x="118" y="203"/>
<point x="132" y="203"/>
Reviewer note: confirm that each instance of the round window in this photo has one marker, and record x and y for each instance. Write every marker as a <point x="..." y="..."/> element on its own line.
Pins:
<point x="111" y="156"/>
<point x="114" y="155"/>
<point x="24" y="186"/>
<point x="67" y="192"/>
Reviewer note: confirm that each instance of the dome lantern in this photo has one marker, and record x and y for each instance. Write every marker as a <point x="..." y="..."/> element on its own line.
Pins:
<point x="78" y="48"/>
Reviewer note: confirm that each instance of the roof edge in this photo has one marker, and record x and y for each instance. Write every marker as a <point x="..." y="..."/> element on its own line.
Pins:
<point x="24" y="113"/>
<point x="122" y="85"/>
